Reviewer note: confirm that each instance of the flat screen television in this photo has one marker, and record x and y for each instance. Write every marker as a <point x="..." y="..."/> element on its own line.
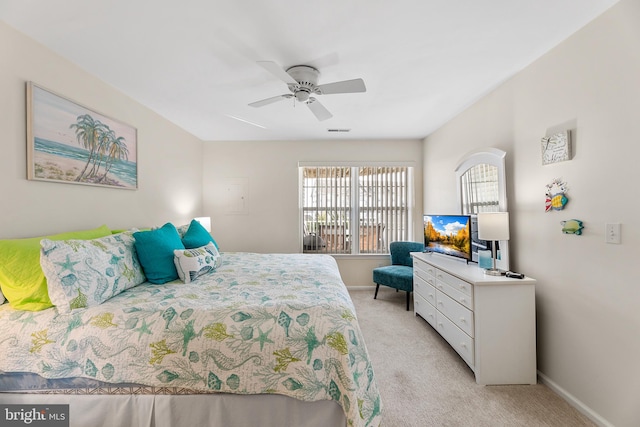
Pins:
<point x="449" y="235"/>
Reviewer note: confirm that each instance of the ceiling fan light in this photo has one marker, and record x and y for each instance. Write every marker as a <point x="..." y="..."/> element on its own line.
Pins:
<point x="302" y="96"/>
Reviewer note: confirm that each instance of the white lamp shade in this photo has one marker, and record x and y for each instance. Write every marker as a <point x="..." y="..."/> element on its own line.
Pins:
<point x="205" y="221"/>
<point x="493" y="226"/>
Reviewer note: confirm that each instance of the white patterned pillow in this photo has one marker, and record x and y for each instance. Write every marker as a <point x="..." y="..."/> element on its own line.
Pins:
<point x="193" y="263"/>
<point x="182" y="229"/>
<point x="86" y="273"/>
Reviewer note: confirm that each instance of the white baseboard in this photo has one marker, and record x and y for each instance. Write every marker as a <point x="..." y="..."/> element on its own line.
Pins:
<point x="573" y="401"/>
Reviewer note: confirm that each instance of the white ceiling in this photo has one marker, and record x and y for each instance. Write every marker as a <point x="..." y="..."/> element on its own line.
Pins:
<point x="194" y="61"/>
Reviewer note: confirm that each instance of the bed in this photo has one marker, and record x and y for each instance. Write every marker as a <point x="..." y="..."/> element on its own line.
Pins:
<point x="261" y="339"/>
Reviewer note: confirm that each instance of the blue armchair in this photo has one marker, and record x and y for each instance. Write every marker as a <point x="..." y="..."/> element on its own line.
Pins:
<point x="399" y="274"/>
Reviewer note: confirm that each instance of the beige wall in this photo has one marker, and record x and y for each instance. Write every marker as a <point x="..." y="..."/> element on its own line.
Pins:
<point x="588" y="298"/>
<point x="169" y="159"/>
<point x="269" y="170"/>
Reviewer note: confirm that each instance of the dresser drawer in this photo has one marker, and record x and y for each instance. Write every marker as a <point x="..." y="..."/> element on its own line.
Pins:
<point x="424" y="273"/>
<point x="425" y="310"/>
<point x="461" y="342"/>
<point x="425" y="290"/>
<point x="458" y="314"/>
<point x="424" y="267"/>
<point x="454" y="282"/>
<point x="463" y="298"/>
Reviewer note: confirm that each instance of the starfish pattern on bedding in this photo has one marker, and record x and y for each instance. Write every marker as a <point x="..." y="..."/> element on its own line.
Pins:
<point x="68" y="264"/>
<point x="144" y="329"/>
<point x="263" y="337"/>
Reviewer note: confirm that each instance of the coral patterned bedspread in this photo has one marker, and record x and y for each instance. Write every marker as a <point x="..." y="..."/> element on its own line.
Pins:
<point x="261" y="323"/>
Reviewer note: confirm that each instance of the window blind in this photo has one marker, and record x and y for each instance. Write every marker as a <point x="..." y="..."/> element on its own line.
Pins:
<point x="355" y="209"/>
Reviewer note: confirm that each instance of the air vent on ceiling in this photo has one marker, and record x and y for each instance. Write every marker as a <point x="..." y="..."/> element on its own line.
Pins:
<point x="338" y="130"/>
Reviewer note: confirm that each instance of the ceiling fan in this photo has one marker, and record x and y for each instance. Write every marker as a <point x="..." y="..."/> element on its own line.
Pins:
<point x="302" y="81"/>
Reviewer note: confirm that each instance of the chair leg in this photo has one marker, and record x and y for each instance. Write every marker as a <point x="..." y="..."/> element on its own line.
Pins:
<point x="408" y="298"/>
<point x="376" y="294"/>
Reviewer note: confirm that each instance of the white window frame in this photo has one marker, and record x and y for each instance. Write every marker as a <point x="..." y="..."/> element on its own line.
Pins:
<point x="354" y="211"/>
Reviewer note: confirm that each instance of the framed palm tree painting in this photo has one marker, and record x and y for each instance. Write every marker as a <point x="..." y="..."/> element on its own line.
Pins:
<point x="69" y="143"/>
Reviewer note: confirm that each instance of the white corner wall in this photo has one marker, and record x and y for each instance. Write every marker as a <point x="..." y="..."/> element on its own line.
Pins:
<point x="587" y="295"/>
<point x="169" y="159"/>
<point x="269" y="172"/>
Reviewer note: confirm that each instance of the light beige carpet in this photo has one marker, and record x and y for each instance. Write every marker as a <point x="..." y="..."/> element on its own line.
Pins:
<point x="423" y="382"/>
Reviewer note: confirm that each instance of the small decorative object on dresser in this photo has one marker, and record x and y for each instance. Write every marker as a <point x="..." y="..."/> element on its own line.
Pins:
<point x="488" y="320"/>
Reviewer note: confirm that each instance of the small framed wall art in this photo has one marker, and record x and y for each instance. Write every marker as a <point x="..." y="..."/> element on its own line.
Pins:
<point x="556" y="148"/>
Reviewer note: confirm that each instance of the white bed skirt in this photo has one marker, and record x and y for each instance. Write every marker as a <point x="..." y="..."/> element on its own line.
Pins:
<point x="211" y="410"/>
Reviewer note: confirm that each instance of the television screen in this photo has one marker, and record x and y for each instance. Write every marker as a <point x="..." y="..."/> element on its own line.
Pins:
<point x="448" y="235"/>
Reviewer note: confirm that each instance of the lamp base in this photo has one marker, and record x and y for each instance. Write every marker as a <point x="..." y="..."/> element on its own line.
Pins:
<point x="494" y="272"/>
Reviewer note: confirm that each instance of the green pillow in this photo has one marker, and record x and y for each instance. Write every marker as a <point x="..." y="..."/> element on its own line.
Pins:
<point x="197" y="236"/>
<point x="155" y="252"/>
<point x="21" y="278"/>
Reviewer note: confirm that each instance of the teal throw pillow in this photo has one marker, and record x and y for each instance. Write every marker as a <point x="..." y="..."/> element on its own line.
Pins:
<point x="197" y="236"/>
<point x="155" y="252"/>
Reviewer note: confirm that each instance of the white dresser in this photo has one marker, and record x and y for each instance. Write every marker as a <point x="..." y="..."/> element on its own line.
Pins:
<point x="489" y="320"/>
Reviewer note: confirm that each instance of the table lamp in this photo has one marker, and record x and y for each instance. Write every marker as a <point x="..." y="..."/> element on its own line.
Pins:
<point x="205" y="221"/>
<point x="493" y="226"/>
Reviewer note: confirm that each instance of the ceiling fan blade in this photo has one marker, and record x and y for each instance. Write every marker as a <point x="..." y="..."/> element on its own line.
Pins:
<point x="346" y="86"/>
<point x="318" y="109"/>
<point x="277" y="71"/>
<point x="271" y="100"/>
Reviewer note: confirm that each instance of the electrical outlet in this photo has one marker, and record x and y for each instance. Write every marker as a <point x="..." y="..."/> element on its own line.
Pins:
<point x="612" y="233"/>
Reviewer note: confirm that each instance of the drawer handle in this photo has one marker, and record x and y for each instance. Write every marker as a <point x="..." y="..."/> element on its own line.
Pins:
<point x="430" y="295"/>
<point x="462" y="300"/>
<point x="440" y="324"/>
<point x="463" y="320"/>
<point x="440" y="303"/>
<point x="463" y="345"/>
<point x="440" y="287"/>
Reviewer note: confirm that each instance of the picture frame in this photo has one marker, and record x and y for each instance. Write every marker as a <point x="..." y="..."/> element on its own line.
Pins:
<point x="556" y="148"/>
<point x="73" y="144"/>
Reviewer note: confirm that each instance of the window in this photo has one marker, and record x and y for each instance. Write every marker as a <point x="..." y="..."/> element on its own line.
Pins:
<point x="355" y="209"/>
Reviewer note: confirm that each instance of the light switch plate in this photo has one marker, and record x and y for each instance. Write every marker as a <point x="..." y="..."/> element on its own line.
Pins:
<point x="612" y="233"/>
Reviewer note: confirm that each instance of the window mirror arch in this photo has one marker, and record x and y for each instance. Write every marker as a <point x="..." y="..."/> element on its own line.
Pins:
<point x="482" y="187"/>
